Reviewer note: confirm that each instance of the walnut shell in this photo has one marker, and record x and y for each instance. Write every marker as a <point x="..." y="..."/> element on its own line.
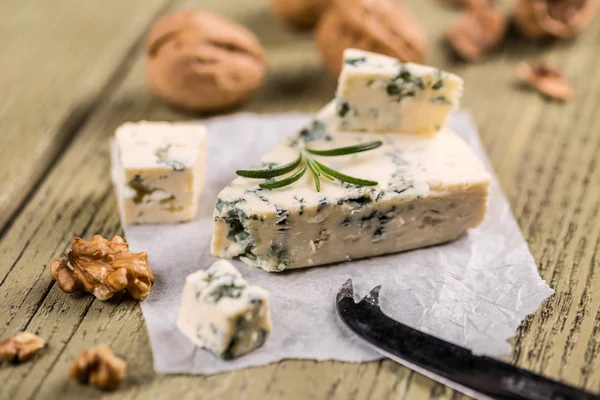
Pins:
<point x="479" y="31"/>
<point x="467" y="4"/>
<point x="554" y="19"/>
<point x="203" y="62"/>
<point x="299" y="14"/>
<point x="380" y="26"/>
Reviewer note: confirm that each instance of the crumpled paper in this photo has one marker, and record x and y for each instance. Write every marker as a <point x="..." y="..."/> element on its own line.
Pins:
<point x="474" y="292"/>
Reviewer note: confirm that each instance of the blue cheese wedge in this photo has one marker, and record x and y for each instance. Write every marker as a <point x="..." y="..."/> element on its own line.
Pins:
<point x="161" y="171"/>
<point x="377" y="93"/>
<point x="431" y="189"/>
<point x="221" y="312"/>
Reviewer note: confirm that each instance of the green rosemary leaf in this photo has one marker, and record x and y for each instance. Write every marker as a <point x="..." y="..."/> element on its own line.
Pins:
<point x="345" y="178"/>
<point x="320" y="171"/>
<point x="269" y="173"/>
<point x="285" y="181"/>
<point x="315" y="173"/>
<point x="342" y="151"/>
<point x="329" y="177"/>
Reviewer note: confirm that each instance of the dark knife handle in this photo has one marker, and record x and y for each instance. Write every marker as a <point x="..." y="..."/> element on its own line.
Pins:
<point x="448" y="363"/>
<point x="504" y="381"/>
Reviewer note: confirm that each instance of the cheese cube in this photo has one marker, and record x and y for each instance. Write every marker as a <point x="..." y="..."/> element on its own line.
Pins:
<point x="222" y="313"/>
<point x="431" y="189"/>
<point x="162" y="169"/>
<point x="377" y="93"/>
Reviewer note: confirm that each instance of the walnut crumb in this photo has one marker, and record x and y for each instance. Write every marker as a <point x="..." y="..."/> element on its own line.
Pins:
<point x="104" y="268"/>
<point x="99" y="366"/>
<point x="21" y="347"/>
<point x="545" y="80"/>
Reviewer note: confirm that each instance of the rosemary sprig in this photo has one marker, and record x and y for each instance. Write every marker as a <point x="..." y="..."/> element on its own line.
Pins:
<point x="345" y="178"/>
<point x="317" y="169"/>
<point x="271" y="172"/>
<point x="315" y="173"/>
<point x="321" y="172"/>
<point x="285" y="181"/>
<point x="342" y="151"/>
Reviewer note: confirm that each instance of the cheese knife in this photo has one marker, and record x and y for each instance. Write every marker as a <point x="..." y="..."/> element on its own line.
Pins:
<point x="477" y="376"/>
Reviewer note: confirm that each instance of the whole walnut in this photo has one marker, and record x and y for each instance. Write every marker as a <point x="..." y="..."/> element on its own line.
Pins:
<point x="380" y="26"/>
<point x="300" y="14"/>
<point x="539" y="19"/>
<point x="479" y="31"/>
<point x="201" y="61"/>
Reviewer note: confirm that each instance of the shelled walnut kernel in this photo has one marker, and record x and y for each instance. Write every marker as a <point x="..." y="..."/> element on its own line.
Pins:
<point x="546" y="80"/>
<point x="99" y="366"/>
<point x="21" y="347"/>
<point x="104" y="268"/>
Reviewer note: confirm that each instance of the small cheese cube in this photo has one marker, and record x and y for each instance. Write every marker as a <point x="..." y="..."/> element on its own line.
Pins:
<point x="377" y="93"/>
<point x="162" y="169"/>
<point x="221" y="312"/>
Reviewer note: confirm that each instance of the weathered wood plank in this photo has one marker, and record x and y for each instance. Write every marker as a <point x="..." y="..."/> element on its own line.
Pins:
<point x="57" y="57"/>
<point x="544" y="154"/>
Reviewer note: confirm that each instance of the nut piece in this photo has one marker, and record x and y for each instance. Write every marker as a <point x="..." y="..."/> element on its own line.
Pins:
<point x="554" y="19"/>
<point x="100" y="367"/>
<point x="299" y="14"/>
<point x="200" y="61"/>
<point x="380" y="26"/>
<point x="104" y="268"/>
<point x="545" y="80"/>
<point x="478" y="31"/>
<point x="21" y="347"/>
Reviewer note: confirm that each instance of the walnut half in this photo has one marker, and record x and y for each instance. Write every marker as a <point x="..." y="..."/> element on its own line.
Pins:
<point x="104" y="268"/>
<point x="21" y="347"/>
<point x="99" y="366"/>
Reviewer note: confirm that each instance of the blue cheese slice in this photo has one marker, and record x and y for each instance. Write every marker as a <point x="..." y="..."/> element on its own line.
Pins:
<point x="432" y="188"/>
<point x="161" y="171"/>
<point x="221" y="312"/>
<point x="377" y="93"/>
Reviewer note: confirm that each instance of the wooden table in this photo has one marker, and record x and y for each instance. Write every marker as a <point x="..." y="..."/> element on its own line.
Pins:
<point x="72" y="71"/>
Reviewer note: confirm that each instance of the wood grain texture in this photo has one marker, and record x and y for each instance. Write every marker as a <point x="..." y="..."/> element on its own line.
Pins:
<point x="57" y="57"/>
<point x="544" y="153"/>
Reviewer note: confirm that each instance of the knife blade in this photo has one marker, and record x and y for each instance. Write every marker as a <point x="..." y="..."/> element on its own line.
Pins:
<point x="457" y="367"/>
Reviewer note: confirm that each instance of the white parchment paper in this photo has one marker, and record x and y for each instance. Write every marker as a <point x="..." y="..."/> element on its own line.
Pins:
<point x="473" y="292"/>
